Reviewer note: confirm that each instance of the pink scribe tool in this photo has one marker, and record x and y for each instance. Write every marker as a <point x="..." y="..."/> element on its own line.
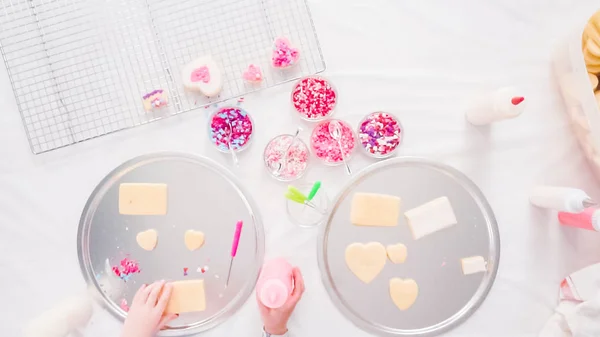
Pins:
<point x="234" y="247"/>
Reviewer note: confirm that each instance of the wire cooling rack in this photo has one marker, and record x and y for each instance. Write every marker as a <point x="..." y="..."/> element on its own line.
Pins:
<point x="79" y="68"/>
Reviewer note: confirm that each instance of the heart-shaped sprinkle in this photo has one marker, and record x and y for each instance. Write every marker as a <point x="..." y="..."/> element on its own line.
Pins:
<point x="403" y="292"/>
<point x="397" y="253"/>
<point x="284" y="54"/>
<point x="194" y="239"/>
<point x="200" y="74"/>
<point x="253" y="74"/>
<point x="147" y="239"/>
<point x="366" y="260"/>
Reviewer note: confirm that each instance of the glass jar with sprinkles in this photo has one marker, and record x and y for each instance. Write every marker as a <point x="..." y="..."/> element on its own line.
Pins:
<point x="379" y="134"/>
<point x="286" y="161"/>
<point x="230" y="124"/>
<point x="326" y="148"/>
<point x="314" y="98"/>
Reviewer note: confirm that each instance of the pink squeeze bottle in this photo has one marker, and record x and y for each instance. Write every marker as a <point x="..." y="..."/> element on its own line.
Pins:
<point x="275" y="283"/>
<point x="588" y="219"/>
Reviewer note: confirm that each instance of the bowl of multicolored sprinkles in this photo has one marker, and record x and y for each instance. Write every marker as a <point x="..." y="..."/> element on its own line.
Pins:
<point x="379" y="134"/>
<point x="314" y="98"/>
<point x="230" y="124"/>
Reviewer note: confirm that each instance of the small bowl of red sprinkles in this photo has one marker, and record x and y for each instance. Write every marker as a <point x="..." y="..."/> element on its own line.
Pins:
<point x="326" y="148"/>
<point x="380" y="133"/>
<point x="230" y="120"/>
<point x="314" y="98"/>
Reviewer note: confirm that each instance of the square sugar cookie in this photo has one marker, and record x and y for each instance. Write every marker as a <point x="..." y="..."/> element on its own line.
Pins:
<point x="187" y="296"/>
<point x="372" y="209"/>
<point x="142" y="199"/>
<point x="430" y="217"/>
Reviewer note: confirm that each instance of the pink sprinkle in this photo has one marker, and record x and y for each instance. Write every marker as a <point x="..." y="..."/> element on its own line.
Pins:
<point x="517" y="100"/>
<point x="326" y="148"/>
<point x="253" y="74"/>
<point x="200" y="74"/>
<point x="284" y="54"/>
<point x="443" y="263"/>
<point x="314" y="98"/>
<point x="185" y="271"/>
<point x="296" y="161"/>
<point x="379" y="134"/>
<point x="124" y="305"/>
<point x="125" y="268"/>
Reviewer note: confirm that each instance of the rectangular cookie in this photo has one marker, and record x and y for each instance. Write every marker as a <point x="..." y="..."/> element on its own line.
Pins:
<point x="187" y="296"/>
<point x="371" y="209"/>
<point x="472" y="265"/>
<point x="430" y="217"/>
<point x="142" y="199"/>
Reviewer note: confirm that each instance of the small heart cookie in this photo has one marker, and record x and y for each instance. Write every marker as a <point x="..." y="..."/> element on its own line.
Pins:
<point x="397" y="253"/>
<point x="194" y="239"/>
<point x="403" y="292"/>
<point x="253" y="74"/>
<point x="147" y="240"/>
<point x="284" y="54"/>
<point x="366" y="260"/>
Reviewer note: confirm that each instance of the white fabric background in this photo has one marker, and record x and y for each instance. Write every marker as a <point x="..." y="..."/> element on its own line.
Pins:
<point x="417" y="59"/>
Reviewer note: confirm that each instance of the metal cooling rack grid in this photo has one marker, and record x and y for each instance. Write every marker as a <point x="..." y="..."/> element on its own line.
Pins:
<point x="79" y="68"/>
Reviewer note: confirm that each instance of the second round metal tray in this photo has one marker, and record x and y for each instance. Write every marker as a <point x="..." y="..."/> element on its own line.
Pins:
<point x="446" y="296"/>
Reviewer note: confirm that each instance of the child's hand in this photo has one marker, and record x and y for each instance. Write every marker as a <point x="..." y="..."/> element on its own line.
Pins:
<point x="275" y="320"/>
<point x="146" y="315"/>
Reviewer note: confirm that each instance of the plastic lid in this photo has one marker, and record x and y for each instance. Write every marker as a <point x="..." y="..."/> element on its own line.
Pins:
<point x="273" y="293"/>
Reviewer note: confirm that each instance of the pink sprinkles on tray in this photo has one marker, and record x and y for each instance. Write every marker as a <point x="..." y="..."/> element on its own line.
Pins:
<point x="284" y="54"/>
<point x="240" y="122"/>
<point x="297" y="157"/>
<point x="126" y="268"/>
<point x="314" y="98"/>
<point x="124" y="306"/>
<point x="379" y="134"/>
<point x="326" y="148"/>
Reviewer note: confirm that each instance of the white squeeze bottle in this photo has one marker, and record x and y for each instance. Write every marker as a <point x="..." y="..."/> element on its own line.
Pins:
<point x="562" y="199"/>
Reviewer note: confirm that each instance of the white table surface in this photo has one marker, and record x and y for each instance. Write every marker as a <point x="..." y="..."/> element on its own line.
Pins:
<point x="417" y="59"/>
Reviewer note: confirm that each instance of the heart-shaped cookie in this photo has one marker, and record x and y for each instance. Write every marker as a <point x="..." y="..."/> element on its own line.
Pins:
<point x="253" y="74"/>
<point x="194" y="239"/>
<point x="203" y="75"/>
<point x="284" y="54"/>
<point x="366" y="260"/>
<point x="397" y="253"/>
<point x="147" y="239"/>
<point x="403" y="292"/>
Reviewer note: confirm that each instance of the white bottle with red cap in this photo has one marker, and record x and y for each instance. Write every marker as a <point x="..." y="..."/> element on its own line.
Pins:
<point x="504" y="103"/>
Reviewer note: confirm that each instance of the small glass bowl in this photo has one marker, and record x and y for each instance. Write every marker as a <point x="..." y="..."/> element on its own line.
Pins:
<point x="297" y="159"/>
<point x="363" y="140"/>
<point x="302" y="114"/>
<point x="221" y="144"/>
<point x="305" y="216"/>
<point x="320" y="136"/>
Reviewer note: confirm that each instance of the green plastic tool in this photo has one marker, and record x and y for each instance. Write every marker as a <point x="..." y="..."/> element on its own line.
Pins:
<point x="314" y="190"/>
<point x="295" y="195"/>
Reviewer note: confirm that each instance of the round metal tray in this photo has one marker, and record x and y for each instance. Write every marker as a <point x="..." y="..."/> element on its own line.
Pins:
<point x="201" y="196"/>
<point x="446" y="296"/>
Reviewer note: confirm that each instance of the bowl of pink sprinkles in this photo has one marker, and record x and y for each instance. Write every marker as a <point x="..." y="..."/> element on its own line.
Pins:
<point x="326" y="148"/>
<point x="379" y="134"/>
<point x="314" y="98"/>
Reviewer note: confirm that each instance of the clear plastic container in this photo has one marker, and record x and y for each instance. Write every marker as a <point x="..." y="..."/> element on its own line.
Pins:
<point x="305" y="216"/>
<point x="365" y="139"/>
<point x="220" y="143"/>
<point x="298" y="158"/>
<point x="302" y="113"/>
<point x="326" y="149"/>
<point x="582" y="106"/>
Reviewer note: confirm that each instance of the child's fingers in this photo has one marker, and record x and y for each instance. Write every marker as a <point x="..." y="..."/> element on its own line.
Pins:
<point x="156" y="288"/>
<point x="164" y="297"/>
<point x="298" y="287"/>
<point x="165" y="320"/>
<point x="139" y="295"/>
